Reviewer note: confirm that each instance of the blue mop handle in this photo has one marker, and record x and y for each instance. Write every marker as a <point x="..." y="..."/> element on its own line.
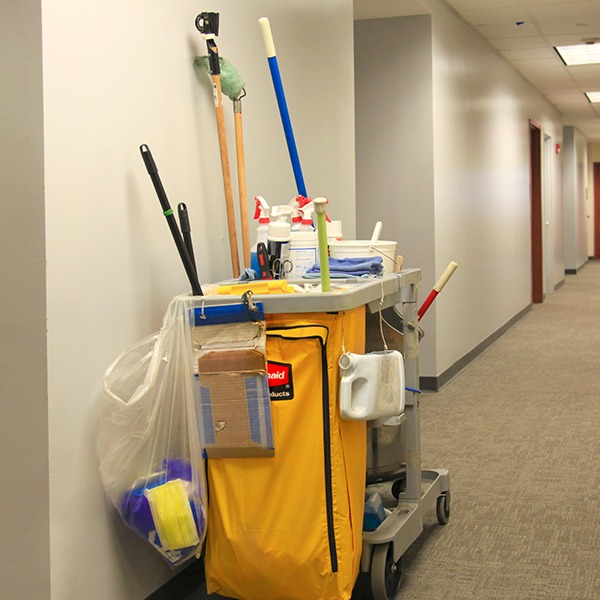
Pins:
<point x="281" y="102"/>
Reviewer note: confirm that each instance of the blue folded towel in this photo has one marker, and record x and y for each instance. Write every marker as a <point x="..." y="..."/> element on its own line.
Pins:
<point x="350" y="267"/>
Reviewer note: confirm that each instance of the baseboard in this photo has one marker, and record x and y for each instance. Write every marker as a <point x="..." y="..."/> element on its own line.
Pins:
<point x="435" y="384"/>
<point x="575" y="271"/>
<point x="560" y="284"/>
<point x="188" y="584"/>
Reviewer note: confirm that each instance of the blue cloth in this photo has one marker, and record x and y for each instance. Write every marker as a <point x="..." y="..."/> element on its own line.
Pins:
<point x="350" y="267"/>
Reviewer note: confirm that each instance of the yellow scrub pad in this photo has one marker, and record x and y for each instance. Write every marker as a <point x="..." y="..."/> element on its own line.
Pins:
<point x="172" y="515"/>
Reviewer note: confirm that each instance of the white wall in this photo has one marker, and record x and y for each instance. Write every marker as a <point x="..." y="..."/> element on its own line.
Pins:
<point x="575" y="181"/>
<point x="24" y="524"/>
<point x="479" y="147"/>
<point x="115" y="77"/>
<point x="482" y="176"/>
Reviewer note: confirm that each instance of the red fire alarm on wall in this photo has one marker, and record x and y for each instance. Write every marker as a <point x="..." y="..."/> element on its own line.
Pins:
<point x="557" y="148"/>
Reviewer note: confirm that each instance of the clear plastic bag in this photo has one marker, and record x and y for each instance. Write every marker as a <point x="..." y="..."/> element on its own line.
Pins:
<point x="149" y="445"/>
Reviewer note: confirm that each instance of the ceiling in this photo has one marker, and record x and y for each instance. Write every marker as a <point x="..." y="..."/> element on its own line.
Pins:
<point x="528" y="46"/>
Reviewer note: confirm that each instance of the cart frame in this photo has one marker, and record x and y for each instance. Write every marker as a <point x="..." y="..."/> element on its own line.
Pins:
<point x="383" y="548"/>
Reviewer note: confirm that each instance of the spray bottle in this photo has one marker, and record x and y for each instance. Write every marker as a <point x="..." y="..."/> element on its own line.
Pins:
<point x="278" y="242"/>
<point x="298" y="203"/>
<point x="261" y="213"/>
<point x="296" y="214"/>
<point x="304" y="244"/>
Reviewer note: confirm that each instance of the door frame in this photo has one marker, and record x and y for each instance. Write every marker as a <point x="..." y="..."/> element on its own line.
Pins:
<point x="548" y="152"/>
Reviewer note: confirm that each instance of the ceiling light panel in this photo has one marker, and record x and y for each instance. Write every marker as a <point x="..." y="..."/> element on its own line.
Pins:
<point x="580" y="54"/>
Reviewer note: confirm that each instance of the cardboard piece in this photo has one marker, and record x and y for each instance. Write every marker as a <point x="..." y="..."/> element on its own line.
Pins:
<point x="235" y="404"/>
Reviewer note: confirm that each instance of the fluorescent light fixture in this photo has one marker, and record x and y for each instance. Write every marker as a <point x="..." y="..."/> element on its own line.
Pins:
<point x="579" y="54"/>
<point x="593" y="96"/>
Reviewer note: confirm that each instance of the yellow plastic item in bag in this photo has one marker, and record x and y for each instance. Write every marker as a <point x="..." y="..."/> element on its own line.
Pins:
<point x="172" y="514"/>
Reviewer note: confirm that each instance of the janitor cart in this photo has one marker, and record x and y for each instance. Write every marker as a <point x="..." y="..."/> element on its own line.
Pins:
<point x="289" y="527"/>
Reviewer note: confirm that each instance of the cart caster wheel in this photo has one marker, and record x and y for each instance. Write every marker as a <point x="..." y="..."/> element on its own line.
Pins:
<point x="385" y="573"/>
<point x="398" y="487"/>
<point x="443" y="508"/>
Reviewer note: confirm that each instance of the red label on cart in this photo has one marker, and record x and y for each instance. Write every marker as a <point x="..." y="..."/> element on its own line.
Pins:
<point x="281" y="386"/>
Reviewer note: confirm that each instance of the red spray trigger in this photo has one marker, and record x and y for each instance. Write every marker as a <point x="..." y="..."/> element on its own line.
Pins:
<point x="262" y="208"/>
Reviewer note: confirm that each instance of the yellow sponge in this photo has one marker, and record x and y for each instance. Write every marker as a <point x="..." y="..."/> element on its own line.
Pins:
<point x="172" y="515"/>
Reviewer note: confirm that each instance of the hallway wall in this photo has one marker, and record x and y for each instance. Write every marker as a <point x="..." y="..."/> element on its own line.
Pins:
<point x="575" y="193"/>
<point x="476" y="157"/>
<point x="114" y="77"/>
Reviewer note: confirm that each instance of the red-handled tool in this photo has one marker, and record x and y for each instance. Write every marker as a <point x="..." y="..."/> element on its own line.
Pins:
<point x="437" y="288"/>
<point x="262" y="256"/>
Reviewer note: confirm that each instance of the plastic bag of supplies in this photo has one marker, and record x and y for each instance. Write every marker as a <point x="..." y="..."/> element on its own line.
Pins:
<point x="149" y="444"/>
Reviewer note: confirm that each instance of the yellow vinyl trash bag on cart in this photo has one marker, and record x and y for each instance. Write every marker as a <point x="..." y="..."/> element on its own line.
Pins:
<point x="290" y="527"/>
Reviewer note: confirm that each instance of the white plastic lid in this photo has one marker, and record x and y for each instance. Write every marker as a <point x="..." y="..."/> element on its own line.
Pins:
<point x="279" y="231"/>
<point x="305" y="236"/>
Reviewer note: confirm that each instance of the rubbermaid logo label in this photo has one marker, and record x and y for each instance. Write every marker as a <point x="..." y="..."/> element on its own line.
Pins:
<point x="281" y="385"/>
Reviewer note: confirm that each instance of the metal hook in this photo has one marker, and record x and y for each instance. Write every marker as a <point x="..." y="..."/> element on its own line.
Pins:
<point x="207" y="23"/>
<point x="247" y="300"/>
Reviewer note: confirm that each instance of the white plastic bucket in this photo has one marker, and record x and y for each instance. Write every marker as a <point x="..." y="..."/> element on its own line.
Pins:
<point x="366" y="249"/>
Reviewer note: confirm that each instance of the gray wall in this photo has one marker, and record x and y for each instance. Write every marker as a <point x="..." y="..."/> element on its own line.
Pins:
<point x="24" y="495"/>
<point x="394" y="137"/>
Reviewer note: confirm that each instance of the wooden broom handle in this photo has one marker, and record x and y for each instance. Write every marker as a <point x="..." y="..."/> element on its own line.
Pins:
<point x="233" y="244"/>
<point x="241" y="173"/>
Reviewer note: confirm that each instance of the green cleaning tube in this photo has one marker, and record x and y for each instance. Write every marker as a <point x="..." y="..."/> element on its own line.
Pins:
<point x="320" y="208"/>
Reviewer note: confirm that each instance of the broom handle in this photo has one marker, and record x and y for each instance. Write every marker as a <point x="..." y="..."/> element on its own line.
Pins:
<point x="437" y="288"/>
<point x="241" y="173"/>
<point x="233" y="244"/>
<point x="281" y="102"/>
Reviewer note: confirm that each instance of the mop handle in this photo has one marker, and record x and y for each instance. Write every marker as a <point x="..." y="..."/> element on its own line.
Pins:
<point x="281" y="102"/>
<point x="437" y="288"/>
<point x="241" y="171"/>
<point x="320" y="207"/>
<point x="168" y="213"/>
<point x="186" y="231"/>
<point x="207" y="23"/>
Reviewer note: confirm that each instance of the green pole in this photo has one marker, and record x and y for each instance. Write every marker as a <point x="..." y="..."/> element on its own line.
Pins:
<point x="320" y="208"/>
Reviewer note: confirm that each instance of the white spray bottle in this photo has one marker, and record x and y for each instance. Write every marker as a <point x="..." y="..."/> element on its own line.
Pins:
<point x="298" y="203"/>
<point x="304" y="244"/>
<point x="262" y="213"/>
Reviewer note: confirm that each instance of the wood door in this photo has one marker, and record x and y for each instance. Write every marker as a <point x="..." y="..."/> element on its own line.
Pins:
<point x="596" y="210"/>
<point x="537" y="263"/>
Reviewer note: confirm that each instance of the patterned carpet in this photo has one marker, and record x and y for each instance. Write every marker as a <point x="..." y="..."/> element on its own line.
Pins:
<point x="519" y="430"/>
